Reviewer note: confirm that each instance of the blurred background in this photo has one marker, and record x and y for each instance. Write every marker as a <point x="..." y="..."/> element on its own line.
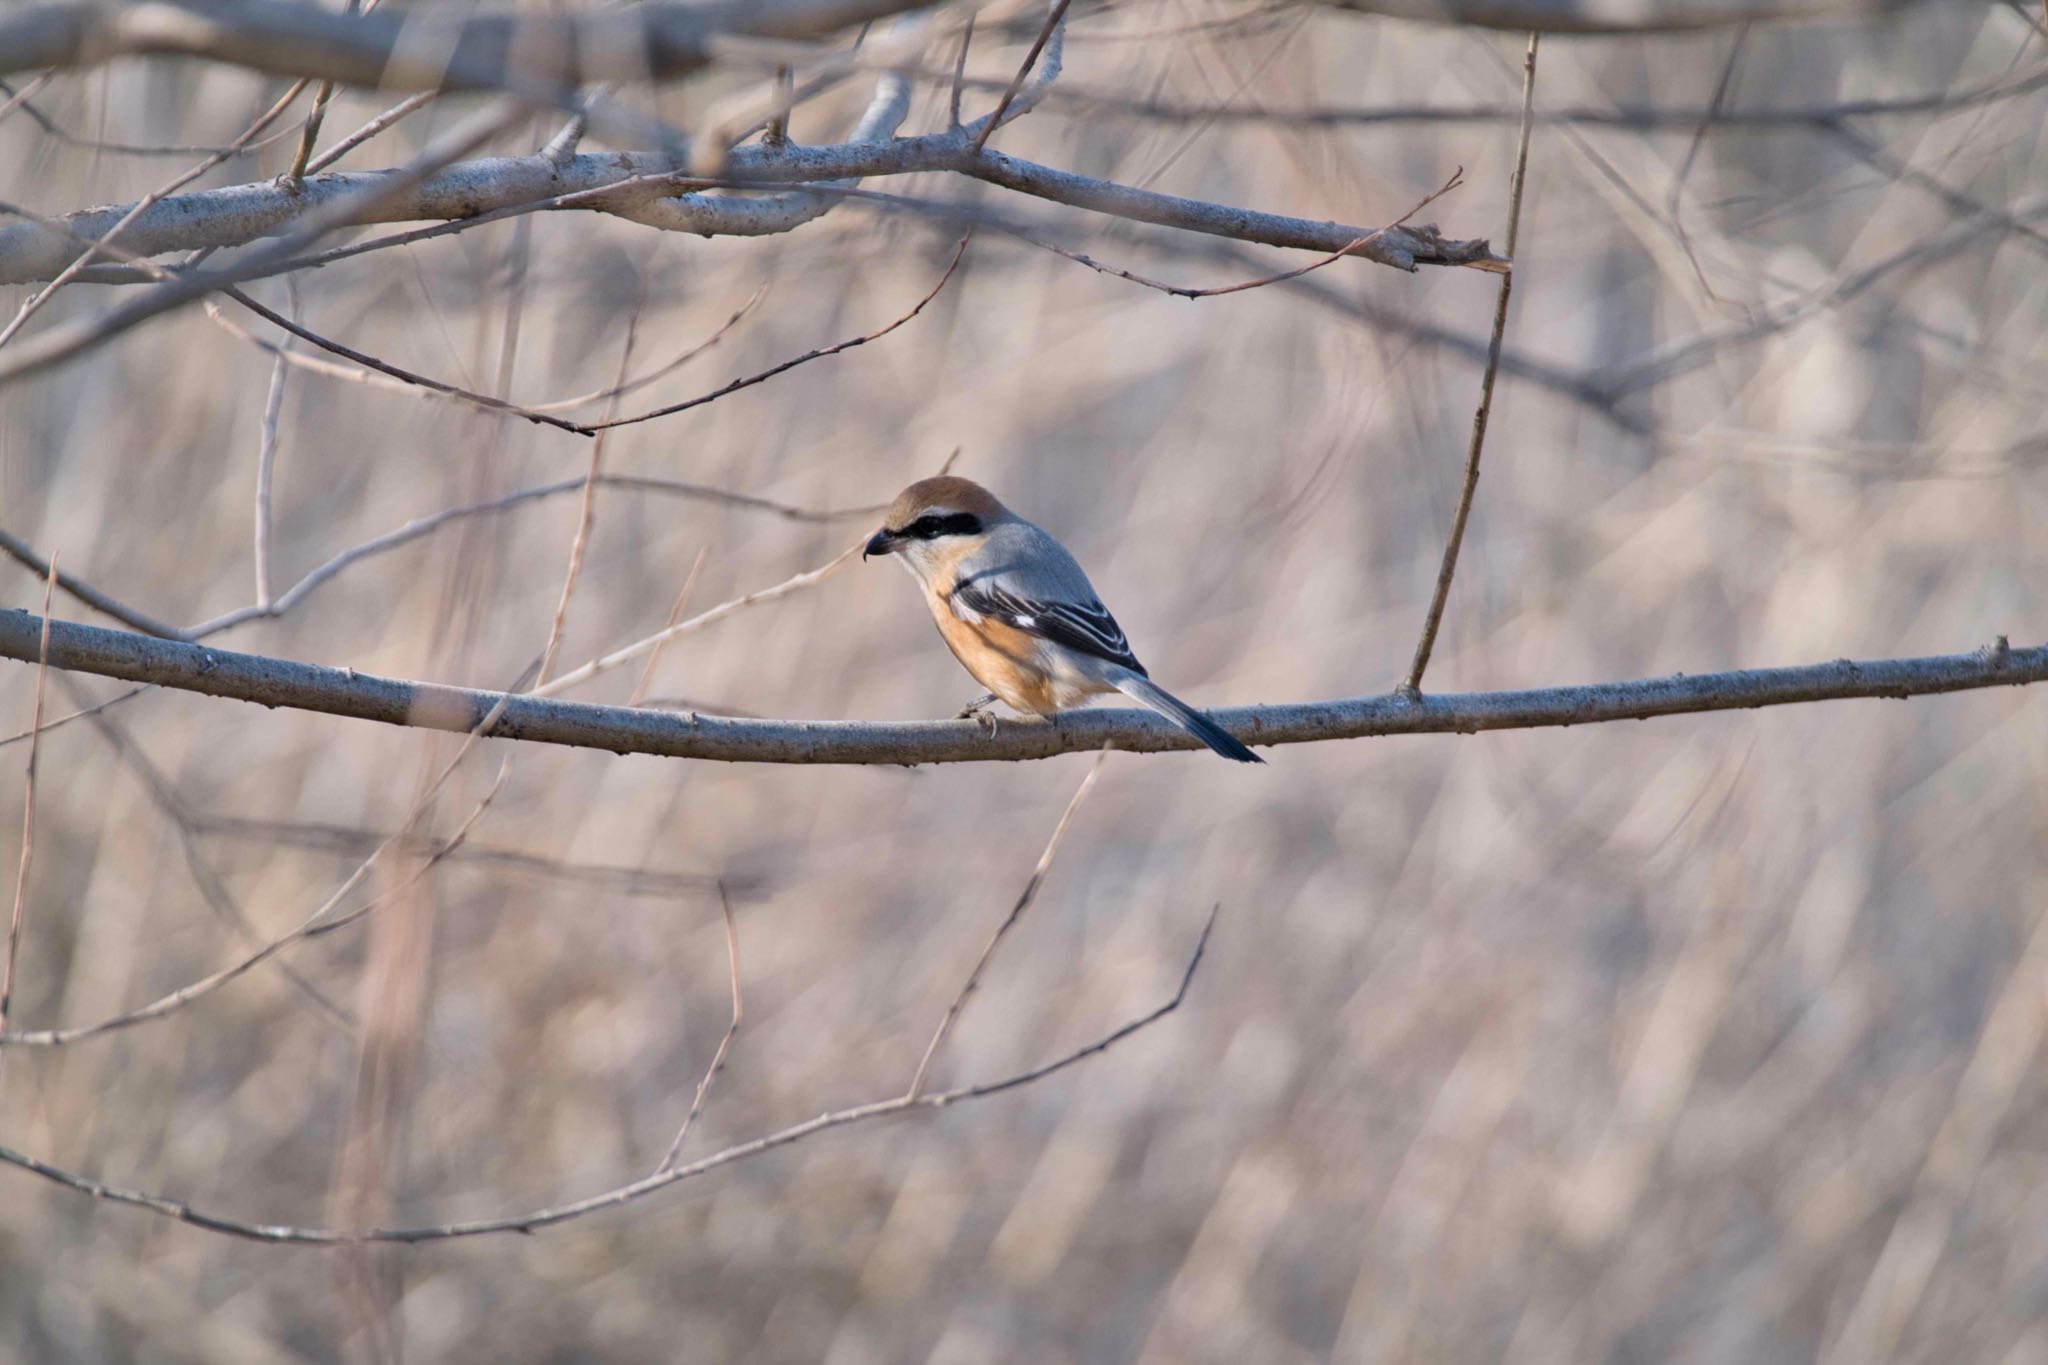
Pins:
<point x="1712" y="1038"/>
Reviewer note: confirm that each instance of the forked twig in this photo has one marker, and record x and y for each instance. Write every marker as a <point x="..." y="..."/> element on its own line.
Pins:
<point x="959" y="253"/>
<point x="623" y="1194"/>
<point x="995" y="120"/>
<point x="1024" y="899"/>
<point x="732" y="958"/>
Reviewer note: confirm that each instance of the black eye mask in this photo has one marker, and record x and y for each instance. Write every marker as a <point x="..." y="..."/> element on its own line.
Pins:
<point x="932" y="525"/>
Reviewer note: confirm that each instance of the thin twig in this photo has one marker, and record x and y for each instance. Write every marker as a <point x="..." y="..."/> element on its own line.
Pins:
<point x="471" y="396"/>
<point x="1214" y="291"/>
<point x="959" y="252"/>
<point x="1423" y="647"/>
<point x="211" y="888"/>
<point x="586" y="511"/>
<point x="321" y="921"/>
<point x="661" y="371"/>
<point x="675" y="614"/>
<point x="28" y="805"/>
<point x="777" y="131"/>
<point x="19" y="99"/>
<point x="36" y="300"/>
<point x="266" y="453"/>
<point x="623" y="1194"/>
<point x="24" y="736"/>
<point x="1023" y="902"/>
<point x="25" y="554"/>
<point x="307" y="139"/>
<point x="995" y="120"/>
<point x="58" y="344"/>
<point x="607" y="662"/>
<point x="409" y="105"/>
<point x="959" y="72"/>
<point x="732" y="958"/>
<point x="412" y="530"/>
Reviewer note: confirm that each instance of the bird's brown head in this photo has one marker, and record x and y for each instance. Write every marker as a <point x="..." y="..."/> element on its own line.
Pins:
<point x="932" y="511"/>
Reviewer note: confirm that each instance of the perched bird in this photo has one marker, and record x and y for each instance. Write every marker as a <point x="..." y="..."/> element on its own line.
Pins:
<point x="1017" y="611"/>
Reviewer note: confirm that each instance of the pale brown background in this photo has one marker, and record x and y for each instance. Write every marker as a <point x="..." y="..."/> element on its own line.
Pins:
<point x="1711" y="1039"/>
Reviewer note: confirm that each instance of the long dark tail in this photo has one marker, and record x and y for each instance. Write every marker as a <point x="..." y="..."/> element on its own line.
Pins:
<point x="1139" y="688"/>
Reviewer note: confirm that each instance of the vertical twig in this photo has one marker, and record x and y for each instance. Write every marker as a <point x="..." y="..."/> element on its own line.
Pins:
<point x="732" y="958"/>
<point x="995" y="120"/>
<point x="959" y="72"/>
<point x="777" y="132"/>
<point x="28" y="803"/>
<point x="266" y="451"/>
<point x="296" y="176"/>
<point x="1024" y="900"/>
<point x="1413" y="686"/>
<point x="587" y="511"/>
<point x="675" y="614"/>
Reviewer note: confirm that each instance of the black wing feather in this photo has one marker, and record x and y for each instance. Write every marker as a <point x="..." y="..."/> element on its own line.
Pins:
<point x="1084" y="626"/>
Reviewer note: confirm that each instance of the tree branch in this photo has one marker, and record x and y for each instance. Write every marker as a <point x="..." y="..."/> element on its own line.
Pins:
<point x="1618" y="16"/>
<point x="435" y="706"/>
<point x="417" y="51"/>
<point x="622" y="1194"/>
<point x="642" y="186"/>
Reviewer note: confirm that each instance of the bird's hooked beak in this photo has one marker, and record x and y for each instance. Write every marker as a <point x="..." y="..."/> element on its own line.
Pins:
<point x="880" y="543"/>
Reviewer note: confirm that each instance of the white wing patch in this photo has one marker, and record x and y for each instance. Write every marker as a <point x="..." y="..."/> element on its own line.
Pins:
<point x="1086" y="626"/>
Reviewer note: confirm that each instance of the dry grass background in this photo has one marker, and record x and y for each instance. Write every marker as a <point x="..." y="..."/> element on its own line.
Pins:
<point x="1712" y="1038"/>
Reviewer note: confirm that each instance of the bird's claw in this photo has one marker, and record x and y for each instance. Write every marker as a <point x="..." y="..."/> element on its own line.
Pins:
<point x="980" y="713"/>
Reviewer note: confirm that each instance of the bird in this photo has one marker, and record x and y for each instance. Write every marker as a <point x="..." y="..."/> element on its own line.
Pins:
<point x="1018" y="612"/>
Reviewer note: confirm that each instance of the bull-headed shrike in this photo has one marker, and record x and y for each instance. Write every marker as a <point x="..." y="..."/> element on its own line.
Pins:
<point x="1017" y="611"/>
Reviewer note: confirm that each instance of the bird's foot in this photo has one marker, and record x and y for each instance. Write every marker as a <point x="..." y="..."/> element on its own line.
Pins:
<point x="981" y="713"/>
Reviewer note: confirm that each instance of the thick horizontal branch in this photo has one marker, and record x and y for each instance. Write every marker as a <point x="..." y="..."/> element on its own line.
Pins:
<point x="642" y="186"/>
<point x="401" y="49"/>
<point x="343" y="692"/>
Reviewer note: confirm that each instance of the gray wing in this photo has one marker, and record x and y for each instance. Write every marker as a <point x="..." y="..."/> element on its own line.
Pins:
<point x="1024" y="578"/>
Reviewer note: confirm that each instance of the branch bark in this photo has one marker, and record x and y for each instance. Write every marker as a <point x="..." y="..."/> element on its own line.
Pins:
<point x="416" y="51"/>
<point x="345" y="692"/>
<point x="1618" y="16"/>
<point x="642" y="186"/>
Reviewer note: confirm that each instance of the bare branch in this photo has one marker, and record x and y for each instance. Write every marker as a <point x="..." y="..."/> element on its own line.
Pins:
<point x="1070" y="99"/>
<point x="435" y="706"/>
<point x="1618" y="16"/>
<point x="1023" y="903"/>
<point x="322" y="920"/>
<point x="623" y="1194"/>
<point x="430" y="51"/>
<point x="1047" y="42"/>
<point x="647" y="646"/>
<point x="675" y="614"/>
<point x="763" y="376"/>
<point x="28" y="806"/>
<point x="732" y="958"/>
<point x="642" y="186"/>
<point x="211" y="888"/>
<point x="1449" y="566"/>
<point x="418" y="527"/>
<point x="586" y="512"/>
